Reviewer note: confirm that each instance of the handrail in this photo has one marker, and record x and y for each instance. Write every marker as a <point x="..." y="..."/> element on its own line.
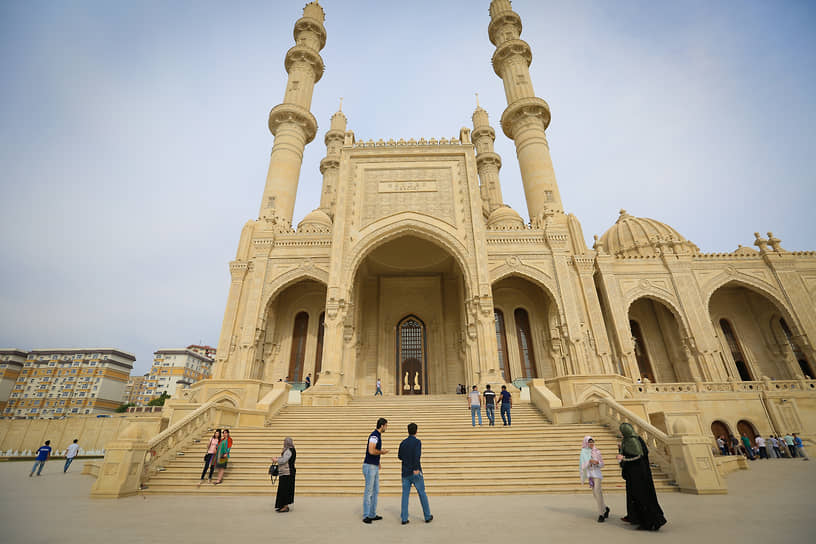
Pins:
<point x="167" y="443"/>
<point x="656" y="440"/>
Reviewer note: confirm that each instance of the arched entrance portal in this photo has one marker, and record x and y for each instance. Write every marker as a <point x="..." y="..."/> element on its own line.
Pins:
<point x="746" y="428"/>
<point x="720" y="430"/>
<point x="409" y="319"/>
<point x="411" y="357"/>
<point x="658" y="341"/>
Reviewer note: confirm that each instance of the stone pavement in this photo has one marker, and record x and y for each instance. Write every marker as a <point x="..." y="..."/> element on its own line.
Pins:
<point x="771" y="502"/>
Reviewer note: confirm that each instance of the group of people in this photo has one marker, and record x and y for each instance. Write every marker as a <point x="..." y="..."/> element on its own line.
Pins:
<point x="218" y="450"/>
<point x="488" y="400"/>
<point x="642" y="507"/>
<point x="44" y="453"/>
<point x="774" y="446"/>
<point x="410" y="452"/>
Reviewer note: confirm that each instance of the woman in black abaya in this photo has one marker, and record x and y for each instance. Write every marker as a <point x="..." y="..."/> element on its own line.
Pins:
<point x="642" y="508"/>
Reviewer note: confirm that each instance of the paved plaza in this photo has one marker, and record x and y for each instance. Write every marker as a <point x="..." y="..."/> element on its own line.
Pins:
<point x="771" y="502"/>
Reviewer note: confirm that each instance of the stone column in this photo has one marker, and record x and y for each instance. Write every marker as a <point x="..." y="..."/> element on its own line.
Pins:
<point x="488" y="162"/>
<point x="526" y="118"/>
<point x="330" y="165"/>
<point x="291" y="121"/>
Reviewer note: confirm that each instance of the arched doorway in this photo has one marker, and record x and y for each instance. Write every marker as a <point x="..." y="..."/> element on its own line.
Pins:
<point x="752" y="337"/>
<point x="746" y="428"/>
<point x="408" y="302"/>
<point x="525" y="316"/>
<point x="796" y="349"/>
<point x="658" y="342"/>
<point x="720" y="430"/>
<point x="411" y="357"/>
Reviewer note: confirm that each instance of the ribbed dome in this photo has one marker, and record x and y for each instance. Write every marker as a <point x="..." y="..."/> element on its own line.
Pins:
<point x="639" y="236"/>
<point x="316" y="220"/>
<point x="504" y="217"/>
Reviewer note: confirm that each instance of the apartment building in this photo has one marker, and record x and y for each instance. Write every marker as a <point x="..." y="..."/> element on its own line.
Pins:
<point x="58" y="382"/>
<point x="174" y="369"/>
<point x="11" y="363"/>
<point x="206" y="351"/>
<point x="134" y="389"/>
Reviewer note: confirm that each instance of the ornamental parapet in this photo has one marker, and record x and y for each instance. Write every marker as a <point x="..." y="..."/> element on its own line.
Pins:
<point x="294" y="114"/>
<point x="407" y="143"/>
<point x="308" y="24"/>
<point x="481" y="132"/>
<point x="487" y="158"/>
<point x="334" y="135"/>
<point x="508" y="50"/>
<point x="501" y="20"/>
<point x="329" y="162"/>
<point x="769" y="386"/>
<point x="531" y="106"/>
<point x="302" y="53"/>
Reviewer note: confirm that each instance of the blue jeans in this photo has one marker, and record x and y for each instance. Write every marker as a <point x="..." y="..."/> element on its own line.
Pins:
<point x="473" y="411"/>
<point x="491" y="415"/>
<point x="41" y="464"/>
<point x="68" y="461"/>
<point x="505" y="409"/>
<point x="372" y="489"/>
<point x="419" y="483"/>
<point x="378" y="392"/>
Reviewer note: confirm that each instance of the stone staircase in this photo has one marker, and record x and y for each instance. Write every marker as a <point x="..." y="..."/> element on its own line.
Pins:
<point x="532" y="456"/>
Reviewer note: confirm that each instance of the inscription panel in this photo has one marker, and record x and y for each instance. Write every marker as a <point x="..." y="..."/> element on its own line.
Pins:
<point x="393" y="187"/>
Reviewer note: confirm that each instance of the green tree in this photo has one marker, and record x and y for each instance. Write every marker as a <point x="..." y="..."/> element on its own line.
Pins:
<point x="124" y="407"/>
<point x="159" y="401"/>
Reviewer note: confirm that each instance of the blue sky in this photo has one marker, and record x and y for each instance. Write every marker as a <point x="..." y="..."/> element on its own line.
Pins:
<point x="134" y="146"/>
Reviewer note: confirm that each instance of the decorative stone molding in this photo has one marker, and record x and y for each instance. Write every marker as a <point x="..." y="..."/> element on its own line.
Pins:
<point x="303" y="54"/>
<point x="293" y="114"/>
<point x="509" y="49"/>
<point x="504" y="20"/>
<point x="403" y="143"/>
<point x="523" y="109"/>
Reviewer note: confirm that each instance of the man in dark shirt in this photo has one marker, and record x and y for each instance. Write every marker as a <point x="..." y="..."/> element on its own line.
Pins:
<point x="506" y="402"/>
<point x="371" y="471"/>
<point x="490" y="403"/>
<point x="410" y="450"/>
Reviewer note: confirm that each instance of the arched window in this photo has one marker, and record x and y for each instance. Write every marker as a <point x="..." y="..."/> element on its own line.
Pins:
<point x="644" y="364"/>
<point x="298" y="353"/>
<point x="736" y="351"/>
<point x="525" y="344"/>
<point x="321" y="326"/>
<point x="797" y="351"/>
<point x="501" y="341"/>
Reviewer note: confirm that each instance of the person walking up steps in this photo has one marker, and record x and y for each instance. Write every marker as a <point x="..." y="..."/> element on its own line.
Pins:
<point x="490" y="404"/>
<point x="379" y="388"/>
<point x="475" y="403"/>
<point x="371" y="471"/>
<point x="506" y="402"/>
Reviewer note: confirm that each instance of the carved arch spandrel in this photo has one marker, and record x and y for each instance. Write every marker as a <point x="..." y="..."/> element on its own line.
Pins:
<point x="280" y="283"/>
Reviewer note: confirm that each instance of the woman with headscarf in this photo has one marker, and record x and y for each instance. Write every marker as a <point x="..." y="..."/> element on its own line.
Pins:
<point x="591" y="464"/>
<point x="286" y="476"/>
<point x="642" y="508"/>
<point x="222" y="456"/>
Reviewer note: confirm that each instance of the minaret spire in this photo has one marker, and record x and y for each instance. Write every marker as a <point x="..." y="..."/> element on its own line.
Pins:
<point x="488" y="161"/>
<point x="291" y="122"/>
<point x="527" y="116"/>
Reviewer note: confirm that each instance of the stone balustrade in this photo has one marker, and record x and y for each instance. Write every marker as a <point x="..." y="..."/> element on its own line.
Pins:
<point x="726" y="387"/>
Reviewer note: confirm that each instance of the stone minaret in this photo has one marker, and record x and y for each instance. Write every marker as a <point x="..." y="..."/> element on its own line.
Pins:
<point x="291" y="122"/>
<point x="527" y="116"/>
<point x="330" y="165"/>
<point x="488" y="162"/>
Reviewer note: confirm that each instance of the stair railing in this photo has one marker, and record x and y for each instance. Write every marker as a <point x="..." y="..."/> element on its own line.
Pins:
<point x="166" y="445"/>
<point x="614" y="414"/>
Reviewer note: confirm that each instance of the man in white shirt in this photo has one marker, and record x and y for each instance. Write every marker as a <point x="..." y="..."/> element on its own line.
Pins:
<point x="760" y="442"/>
<point x="70" y="453"/>
<point x="475" y="403"/>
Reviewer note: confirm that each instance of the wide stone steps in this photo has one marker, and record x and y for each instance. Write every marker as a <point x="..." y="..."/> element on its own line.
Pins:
<point x="531" y="456"/>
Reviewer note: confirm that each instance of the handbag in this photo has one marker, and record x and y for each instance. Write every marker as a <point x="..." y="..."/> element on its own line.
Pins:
<point x="273" y="471"/>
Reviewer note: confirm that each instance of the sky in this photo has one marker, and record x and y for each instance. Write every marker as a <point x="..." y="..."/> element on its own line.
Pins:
<point x="134" y="142"/>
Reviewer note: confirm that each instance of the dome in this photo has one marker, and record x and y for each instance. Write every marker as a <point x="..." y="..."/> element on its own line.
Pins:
<point x="639" y="236"/>
<point x="315" y="221"/>
<point x="504" y="217"/>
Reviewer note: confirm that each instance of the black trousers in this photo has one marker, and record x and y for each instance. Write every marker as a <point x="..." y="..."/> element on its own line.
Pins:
<point x="208" y="463"/>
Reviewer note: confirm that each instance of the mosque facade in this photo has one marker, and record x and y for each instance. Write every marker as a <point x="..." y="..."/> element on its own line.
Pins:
<point x="413" y="270"/>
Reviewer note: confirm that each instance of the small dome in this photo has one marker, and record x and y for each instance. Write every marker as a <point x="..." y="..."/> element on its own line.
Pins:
<point x="316" y="220"/>
<point x="743" y="250"/>
<point x="504" y="217"/>
<point x="639" y="236"/>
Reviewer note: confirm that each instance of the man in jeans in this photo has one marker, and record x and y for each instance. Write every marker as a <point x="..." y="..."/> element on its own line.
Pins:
<point x="371" y="471"/>
<point x="475" y="403"/>
<point x="410" y="450"/>
<point x="42" y="456"/>
<point x="70" y="453"/>
<point x="506" y="402"/>
<point x="490" y="404"/>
